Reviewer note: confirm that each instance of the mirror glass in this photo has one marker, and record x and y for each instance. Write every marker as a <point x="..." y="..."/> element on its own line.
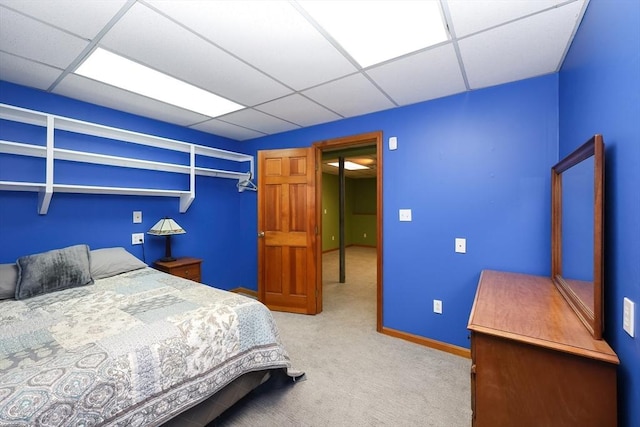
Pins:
<point x="577" y="231"/>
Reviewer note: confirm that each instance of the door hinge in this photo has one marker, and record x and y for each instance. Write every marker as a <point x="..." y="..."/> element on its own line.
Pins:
<point x="316" y="230"/>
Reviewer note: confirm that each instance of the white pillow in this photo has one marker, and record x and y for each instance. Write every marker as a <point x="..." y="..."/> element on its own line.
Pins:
<point x="8" y="280"/>
<point x="108" y="262"/>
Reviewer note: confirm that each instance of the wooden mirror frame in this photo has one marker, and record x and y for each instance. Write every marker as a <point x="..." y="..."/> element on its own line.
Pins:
<point x="592" y="317"/>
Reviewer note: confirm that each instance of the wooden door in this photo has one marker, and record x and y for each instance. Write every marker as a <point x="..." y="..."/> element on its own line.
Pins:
<point x="287" y="231"/>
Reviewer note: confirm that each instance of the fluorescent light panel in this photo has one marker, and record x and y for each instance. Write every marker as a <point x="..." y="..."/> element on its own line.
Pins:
<point x="115" y="70"/>
<point x="376" y="31"/>
<point x="350" y="166"/>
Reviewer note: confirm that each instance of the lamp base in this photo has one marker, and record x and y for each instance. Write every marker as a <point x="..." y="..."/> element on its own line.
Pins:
<point x="167" y="250"/>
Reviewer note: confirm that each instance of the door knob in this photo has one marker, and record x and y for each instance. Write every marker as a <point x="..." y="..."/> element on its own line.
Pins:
<point x="261" y="234"/>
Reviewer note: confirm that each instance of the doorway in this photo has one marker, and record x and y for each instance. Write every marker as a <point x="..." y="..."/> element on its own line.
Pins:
<point x="352" y="144"/>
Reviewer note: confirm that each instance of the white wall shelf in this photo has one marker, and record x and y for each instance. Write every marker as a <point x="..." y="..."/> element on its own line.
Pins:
<point x="50" y="153"/>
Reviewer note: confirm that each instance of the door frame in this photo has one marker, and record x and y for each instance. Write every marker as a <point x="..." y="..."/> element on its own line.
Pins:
<point x="364" y="139"/>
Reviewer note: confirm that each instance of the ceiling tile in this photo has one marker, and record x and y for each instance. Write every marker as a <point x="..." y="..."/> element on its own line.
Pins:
<point x="257" y="120"/>
<point x="180" y="53"/>
<point x="80" y="17"/>
<point x="227" y="130"/>
<point x="28" y="38"/>
<point x="108" y="96"/>
<point x="27" y="73"/>
<point x="299" y="110"/>
<point x="350" y="96"/>
<point x="525" y="48"/>
<point x="426" y="75"/>
<point x="472" y="16"/>
<point x="271" y="35"/>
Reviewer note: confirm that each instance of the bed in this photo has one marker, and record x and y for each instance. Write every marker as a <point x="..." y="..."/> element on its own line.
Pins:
<point x="96" y="337"/>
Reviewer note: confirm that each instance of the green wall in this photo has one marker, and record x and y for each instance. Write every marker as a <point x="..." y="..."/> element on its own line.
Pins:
<point x="360" y="210"/>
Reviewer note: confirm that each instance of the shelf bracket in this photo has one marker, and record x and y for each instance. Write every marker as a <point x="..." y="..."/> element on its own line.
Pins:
<point x="187" y="198"/>
<point x="185" y="201"/>
<point x="44" y="196"/>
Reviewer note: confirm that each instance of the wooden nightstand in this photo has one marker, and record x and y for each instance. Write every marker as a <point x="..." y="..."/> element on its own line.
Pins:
<point x="186" y="267"/>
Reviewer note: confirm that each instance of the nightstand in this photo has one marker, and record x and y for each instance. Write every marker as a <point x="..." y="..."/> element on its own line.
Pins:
<point x="186" y="267"/>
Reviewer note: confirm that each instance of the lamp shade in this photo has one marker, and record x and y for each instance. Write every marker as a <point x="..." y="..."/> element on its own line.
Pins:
<point x="166" y="227"/>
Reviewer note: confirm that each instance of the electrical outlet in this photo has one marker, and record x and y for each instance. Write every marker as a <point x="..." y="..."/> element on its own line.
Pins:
<point x="365" y="235"/>
<point x="437" y="306"/>
<point x="628" y="316"/>
<point x="137" y="238"/>
<point x="461" y="245"/>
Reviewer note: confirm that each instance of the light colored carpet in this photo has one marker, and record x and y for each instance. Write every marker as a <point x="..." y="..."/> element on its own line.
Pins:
<point x="354" y="375"/>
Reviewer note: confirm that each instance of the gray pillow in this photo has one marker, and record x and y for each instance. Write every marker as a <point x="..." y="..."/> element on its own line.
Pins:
<point x="8" y="280"/>
<point x="108" y="262"/>
<point x="53" y="271"/>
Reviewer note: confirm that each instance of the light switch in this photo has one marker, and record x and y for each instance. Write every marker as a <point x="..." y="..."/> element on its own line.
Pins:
<point x="461" y="245"/>
<point x="393" y="143"/>
<point x="137" y="217"/>
<point x="437" y="306"/>
<point x="405" y="214"/>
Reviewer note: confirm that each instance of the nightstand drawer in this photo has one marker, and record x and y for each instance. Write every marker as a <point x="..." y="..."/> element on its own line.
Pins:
<point x="188" y="268"/>
<point x="191" y="272"/>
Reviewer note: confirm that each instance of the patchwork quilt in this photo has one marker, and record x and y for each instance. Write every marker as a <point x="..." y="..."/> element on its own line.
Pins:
<point x="130" y="350"/>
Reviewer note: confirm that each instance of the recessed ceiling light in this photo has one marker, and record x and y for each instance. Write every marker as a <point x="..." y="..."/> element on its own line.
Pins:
<point x="115" y="70"/>
<point x="350" y="166"/>
<point x="376" y="31"/>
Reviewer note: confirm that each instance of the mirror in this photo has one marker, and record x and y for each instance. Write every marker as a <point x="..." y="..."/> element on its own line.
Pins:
<point x="577" y="204"/>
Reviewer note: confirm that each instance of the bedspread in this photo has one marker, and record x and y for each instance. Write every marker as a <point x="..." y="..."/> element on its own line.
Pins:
<point x="133" y="349"/>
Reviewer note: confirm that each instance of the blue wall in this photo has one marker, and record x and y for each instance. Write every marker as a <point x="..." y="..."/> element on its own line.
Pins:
<point x="600" y="93"/>
<point x="101" y="220"/>
<point x="475" y="165"/>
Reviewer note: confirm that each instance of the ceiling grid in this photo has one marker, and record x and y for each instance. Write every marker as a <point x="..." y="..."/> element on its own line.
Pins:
<point x="277" y="59"/>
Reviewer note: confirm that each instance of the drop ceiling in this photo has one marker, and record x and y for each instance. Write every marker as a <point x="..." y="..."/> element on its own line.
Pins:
<point x="273" y="58"/>
<point x="363" y="155"/>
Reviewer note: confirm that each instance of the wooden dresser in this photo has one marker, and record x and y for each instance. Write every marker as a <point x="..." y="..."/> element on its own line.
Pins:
<point x="189" y="268"/>
<point x="533" y="362"/>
